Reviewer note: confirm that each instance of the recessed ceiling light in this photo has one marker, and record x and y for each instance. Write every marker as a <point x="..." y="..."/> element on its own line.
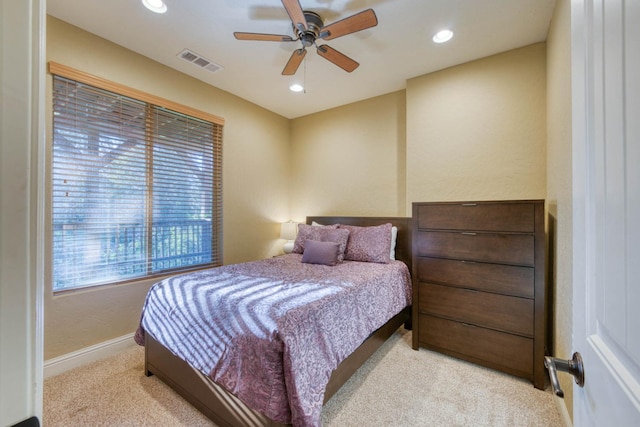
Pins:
<point x="296" y="87"/>
<point x="442" y="36"/>
<point x="156" y="6"/>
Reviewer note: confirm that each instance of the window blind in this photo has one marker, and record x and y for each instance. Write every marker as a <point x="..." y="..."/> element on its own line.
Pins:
<point x="136" y="188"/>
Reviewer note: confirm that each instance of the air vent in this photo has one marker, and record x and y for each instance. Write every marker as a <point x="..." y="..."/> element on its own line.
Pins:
<point x="199" y="60"/>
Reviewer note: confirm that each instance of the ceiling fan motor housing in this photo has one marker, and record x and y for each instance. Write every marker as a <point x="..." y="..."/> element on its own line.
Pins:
<point x="314" y="24"/>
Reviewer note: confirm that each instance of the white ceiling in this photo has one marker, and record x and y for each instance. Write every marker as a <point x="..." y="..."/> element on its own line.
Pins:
<point x="397" y="49"/>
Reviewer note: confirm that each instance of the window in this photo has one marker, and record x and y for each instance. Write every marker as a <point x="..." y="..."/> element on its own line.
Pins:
<point x="136" y="185"/>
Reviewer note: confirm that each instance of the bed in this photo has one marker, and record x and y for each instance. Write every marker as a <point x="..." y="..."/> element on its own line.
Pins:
<point x="297" y="350"/>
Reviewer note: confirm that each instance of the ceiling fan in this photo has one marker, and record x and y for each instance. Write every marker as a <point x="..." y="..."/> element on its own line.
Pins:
<point x="308" y="27"/>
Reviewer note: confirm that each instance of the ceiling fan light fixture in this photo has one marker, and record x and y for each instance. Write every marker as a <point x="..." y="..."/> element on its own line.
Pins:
<point x="157" y="6"/>
<point x="296" y="87"/>
<point x="442" y="36"/>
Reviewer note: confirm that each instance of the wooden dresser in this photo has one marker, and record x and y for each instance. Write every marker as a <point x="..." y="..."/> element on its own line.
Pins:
<point x="479" y="283"/>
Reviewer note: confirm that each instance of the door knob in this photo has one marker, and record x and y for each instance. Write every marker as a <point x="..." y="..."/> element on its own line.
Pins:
<point x="573" y="366"/>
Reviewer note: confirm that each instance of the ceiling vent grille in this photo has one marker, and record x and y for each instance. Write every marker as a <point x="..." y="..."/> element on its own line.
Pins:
<point x="199" y="60"/>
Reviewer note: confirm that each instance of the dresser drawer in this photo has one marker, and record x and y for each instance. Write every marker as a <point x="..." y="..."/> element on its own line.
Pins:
<point x="514" y="249"/>
<point x="512" y="352"/>
<point x="509" y="217"/>
<point x="505" y="313"/>
<point x="505" y="279"/>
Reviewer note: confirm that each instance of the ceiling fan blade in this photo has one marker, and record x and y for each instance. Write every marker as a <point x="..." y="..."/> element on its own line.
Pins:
<point x="294" y="62"/>
<point x="296" y="14"/>
<point x="340" y="59"/>
<point x="263" y="37"/>
<point x="359" y="21"/>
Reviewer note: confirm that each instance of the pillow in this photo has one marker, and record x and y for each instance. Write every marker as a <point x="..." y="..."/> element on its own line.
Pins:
<point x="368" y="244"/>
<point x="308" y="232"/>
<point x="325" y="233"/>
<point x="394" y="236"/>
<point x="316" y="252"/>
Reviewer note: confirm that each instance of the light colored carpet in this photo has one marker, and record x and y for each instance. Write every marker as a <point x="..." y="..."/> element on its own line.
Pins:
<point x="396" y="387"/>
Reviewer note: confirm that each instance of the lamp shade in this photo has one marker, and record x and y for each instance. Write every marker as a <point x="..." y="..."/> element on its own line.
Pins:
<point x="289" y="230"/>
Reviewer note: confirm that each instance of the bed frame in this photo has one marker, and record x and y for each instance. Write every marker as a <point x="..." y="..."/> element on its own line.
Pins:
<point x="227" y="410"/>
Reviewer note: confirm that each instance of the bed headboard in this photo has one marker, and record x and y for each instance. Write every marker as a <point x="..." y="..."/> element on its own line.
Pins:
<point x="403" y="241"/>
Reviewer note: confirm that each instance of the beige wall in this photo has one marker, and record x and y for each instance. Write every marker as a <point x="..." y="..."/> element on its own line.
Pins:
<point x="350" y="160"/>
<point x="256" y="181"/>
<point x="477" y="131"/>
<point x="472" y="132"/>
<point x="559" y="195"/>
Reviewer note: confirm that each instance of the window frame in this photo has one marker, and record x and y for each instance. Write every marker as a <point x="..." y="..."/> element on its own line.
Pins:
<point x="81" y="77"/>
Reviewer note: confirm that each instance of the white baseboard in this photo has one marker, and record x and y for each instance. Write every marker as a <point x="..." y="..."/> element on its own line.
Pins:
<point x="562" y="410"/>
<point x="87" y="355"/>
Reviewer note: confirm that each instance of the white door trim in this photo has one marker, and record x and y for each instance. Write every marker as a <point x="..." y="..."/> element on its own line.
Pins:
<point x="22" y="140"/>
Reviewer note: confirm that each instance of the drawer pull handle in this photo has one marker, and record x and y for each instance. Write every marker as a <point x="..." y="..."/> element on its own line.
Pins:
<point x="469" y="204"/>
<point x="466" y="233"/>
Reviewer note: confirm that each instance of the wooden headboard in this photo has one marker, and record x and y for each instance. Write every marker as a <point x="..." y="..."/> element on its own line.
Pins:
<point x="403" y="241"/>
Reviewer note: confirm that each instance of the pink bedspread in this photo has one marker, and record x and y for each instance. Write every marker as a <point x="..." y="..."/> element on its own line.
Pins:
<point x="271" y="332"/>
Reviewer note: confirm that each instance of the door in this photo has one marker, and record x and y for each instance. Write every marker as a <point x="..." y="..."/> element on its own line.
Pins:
<point x="606" y="229"/>
<point x="22" y="100"/>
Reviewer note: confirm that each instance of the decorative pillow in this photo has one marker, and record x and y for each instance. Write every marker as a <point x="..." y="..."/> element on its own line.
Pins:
<point x="325" y="233"/>
<point x="368" y="244"/>
<point x="316" y="252"/>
